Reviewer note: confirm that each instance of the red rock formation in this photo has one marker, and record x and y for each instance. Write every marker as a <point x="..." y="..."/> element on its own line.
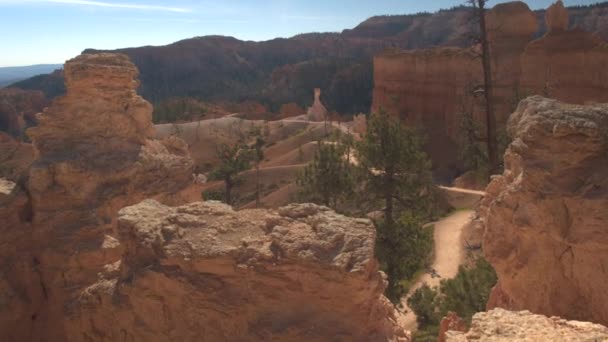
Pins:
<point x="545" y="225"/>
<point x="427" y="89"/>
<point x="203" y="272"/>
<point x="431" y="88"/>
<point x="570" y="66"/>
<point x="92" y="156"/>
<point x="317" y="112"/>
<point x="451" y="322"/>
<point x="556" y="17"/>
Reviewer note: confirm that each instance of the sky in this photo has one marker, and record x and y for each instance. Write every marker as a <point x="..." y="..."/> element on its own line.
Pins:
<point x="52" y="31"/>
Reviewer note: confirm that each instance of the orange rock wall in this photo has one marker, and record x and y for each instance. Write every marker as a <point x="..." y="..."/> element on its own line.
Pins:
<point x="431" y="88"/>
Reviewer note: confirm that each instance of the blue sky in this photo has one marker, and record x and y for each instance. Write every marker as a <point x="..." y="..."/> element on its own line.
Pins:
<point x="51" y="31"/>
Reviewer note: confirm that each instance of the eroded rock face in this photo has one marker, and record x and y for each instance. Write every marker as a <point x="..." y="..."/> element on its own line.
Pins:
<point x="505" y="326"/>
<point x="430" y="89"/>
<point x="205" y="272"/>
<point x="92" y="156"/>
<point x="545" y="226"/>
<point x="15" y="157"/>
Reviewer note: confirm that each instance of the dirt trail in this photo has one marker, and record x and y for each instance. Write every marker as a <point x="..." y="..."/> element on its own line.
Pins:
<point x="449" y="254"/>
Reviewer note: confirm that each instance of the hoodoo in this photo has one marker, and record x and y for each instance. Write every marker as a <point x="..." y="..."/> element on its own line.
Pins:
<point x="545" y="229"/>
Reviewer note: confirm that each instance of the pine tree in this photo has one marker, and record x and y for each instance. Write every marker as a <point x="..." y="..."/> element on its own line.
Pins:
<point x="234" y="159"/>
<point x="397" y="174"/>
<point x="327" y="179"/>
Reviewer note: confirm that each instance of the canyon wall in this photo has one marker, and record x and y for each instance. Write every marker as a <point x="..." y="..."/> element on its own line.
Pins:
<point x="75" y="267"/>
<point x="546" y="216"/>
<point x="431" y="88"/>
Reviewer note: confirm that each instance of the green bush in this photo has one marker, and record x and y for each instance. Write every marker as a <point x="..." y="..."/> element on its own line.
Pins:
<point x="465" y="294"/>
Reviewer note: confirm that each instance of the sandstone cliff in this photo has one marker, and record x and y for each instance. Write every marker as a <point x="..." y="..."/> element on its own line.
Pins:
<point x="545" y="224"/>
<point x="92" y="156"/>
<point x="205" y="272"/>
<point x="505" y="326"/>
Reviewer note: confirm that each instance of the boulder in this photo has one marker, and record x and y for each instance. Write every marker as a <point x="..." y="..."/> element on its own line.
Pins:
<point x="546" y="217"/>
<point x="206" y="272"/>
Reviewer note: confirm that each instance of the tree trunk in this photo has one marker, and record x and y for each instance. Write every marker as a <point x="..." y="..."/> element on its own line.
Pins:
<point x="257" y="184"/>
<point x="388" y="199"/>
<point x="492" y="142"/>
<point x="228" y="191"/>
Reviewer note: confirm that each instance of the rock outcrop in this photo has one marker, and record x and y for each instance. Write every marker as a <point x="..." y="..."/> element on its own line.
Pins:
<point x="317" y="112"/>
<point x="453" y="323"/>
<point x="92" y="155"/>
<point x="505" y="326"/>
<point x="430" y="89"/>
<point x="205" y="272"/>
<point x="546" y="216"/>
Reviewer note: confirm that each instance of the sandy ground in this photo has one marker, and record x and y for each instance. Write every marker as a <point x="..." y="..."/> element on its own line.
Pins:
<point x="449" y="255"/>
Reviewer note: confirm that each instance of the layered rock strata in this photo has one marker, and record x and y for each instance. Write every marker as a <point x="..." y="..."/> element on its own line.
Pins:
<point x="505" y="326"/>
<point x="203" y="272"/>
<point x="546" y="216"/>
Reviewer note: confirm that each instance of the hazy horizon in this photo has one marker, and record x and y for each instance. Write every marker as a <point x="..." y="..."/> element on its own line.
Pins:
<point x="52" y="31"/>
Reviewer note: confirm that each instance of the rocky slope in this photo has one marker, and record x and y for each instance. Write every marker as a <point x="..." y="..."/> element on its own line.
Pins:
<point x="280" y="71"/>
<point x="504" y="326"/>
<point x="545" y="224"/>
<point x="205" y="272"/>
<point x="432" y="88"/>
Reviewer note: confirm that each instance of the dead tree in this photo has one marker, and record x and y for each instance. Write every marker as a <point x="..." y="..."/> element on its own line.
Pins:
<point x="479" y="9"/>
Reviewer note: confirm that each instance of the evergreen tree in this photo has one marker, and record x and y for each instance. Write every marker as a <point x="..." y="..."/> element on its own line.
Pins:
<point x="234" y="159"/>
<point x="397" y="174"/>
<point x="327" y="179"/>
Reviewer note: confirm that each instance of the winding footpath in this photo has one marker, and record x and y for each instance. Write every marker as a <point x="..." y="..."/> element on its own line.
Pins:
<point x="449" y="255"/>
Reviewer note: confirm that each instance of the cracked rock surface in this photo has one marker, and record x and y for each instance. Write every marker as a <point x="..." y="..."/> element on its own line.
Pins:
<point x="205" y="272"/>
<point x="546" y="231"/>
